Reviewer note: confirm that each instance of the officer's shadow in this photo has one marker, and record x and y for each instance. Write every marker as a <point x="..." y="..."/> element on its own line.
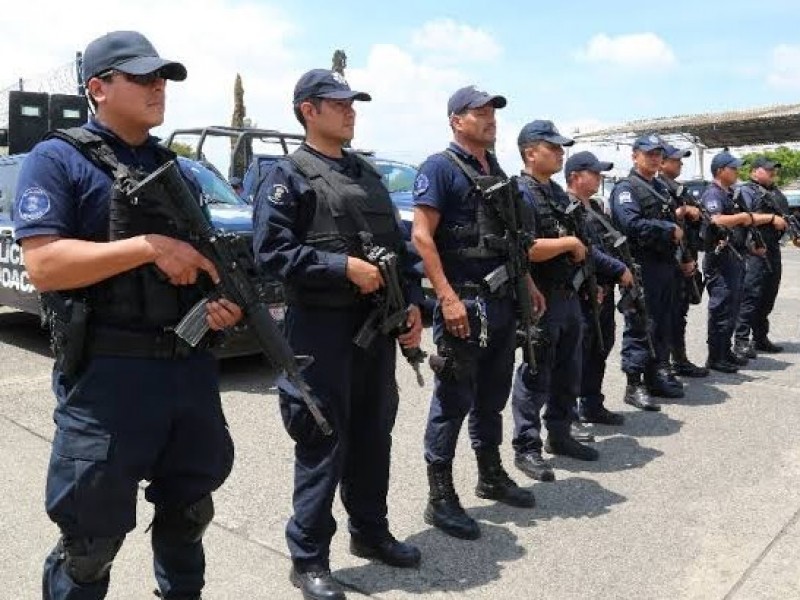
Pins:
<point x="617" y="453"/>
<point x="24" y="331"/>
<point x="699" y="392"/>
<point x="767" y="363"/>
<point x="448" y="564"/>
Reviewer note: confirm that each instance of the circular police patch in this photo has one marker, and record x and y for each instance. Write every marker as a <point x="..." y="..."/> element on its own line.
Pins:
<point x="33" y="204"/>
<point x="279" y="194"/>
<point x="625" y="197"/>
<point x="421" y="184"/>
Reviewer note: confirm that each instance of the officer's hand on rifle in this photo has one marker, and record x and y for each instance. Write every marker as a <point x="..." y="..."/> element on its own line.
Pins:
<point x="412" y="337"/>
<point x="537" y="298"/>
<point x="688" y="268"/>
<point x="178" y="260"/>
<point x="690" y="213"/>
<point x="578" y="251"/>
<point x="222" y="314"/>
<point x="455" y="316"/>
<point x="677" y="234"/>
<point x="758" y="251"/>
<point x="626" y="279"/>
<point x="780" y="223"/>
<point x="364" y="275"/>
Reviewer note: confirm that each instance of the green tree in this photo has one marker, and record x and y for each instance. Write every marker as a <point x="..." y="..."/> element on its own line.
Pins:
<point x="789" y="159"/>
<point x="239" y="162"/>
<point x="181" y="149"/>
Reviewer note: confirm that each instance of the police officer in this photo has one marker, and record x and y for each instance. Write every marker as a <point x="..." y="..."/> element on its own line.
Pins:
<point x="582" y="173"/>
<point x="134" y="401"/>
<point x="310" y="214"/>
<point x="474" y="329"/>
<point x="640" y="206"/>
<point x="687" y="285"/>
<point x="726" y="246"/>
<point x="557" y="256"/>
<point x="762" y="273"/>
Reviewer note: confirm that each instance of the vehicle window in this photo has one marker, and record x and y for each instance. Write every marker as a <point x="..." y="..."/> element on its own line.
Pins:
<point x="8" y="185"/>
<point x="214" y="189"/>
<point x="793" y="197"/>
<point x="397" y="177"/>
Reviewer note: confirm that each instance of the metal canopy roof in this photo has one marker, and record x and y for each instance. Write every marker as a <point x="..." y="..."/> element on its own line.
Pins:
<point x="769" y="125"/>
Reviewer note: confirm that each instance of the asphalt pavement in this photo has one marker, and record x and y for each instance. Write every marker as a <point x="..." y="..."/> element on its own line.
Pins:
<point x="699" y="501"/>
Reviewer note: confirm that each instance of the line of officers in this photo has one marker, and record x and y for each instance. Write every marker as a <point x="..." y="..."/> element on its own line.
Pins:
<point x="305" y="232"/>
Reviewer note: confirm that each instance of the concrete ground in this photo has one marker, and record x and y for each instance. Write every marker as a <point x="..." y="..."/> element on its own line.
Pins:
<point x="699" y="501"/>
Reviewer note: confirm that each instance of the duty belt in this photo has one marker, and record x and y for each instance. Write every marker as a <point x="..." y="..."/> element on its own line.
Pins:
<point x="473" y="290"/>
<point x="132" y="344"/>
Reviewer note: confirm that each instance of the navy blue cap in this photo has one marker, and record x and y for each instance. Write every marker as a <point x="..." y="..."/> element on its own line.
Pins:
<point x="724" y="159"/>
<point x="471" y="97"/>
<point x="649" y="142"/>
<point x="128" y="52"/>
<point x="585" y="161"/>
<point x="324" y="83"/>
<point x="763" y="162"/>
<point x="675" y="153"/>
<point x="542" y="130"/>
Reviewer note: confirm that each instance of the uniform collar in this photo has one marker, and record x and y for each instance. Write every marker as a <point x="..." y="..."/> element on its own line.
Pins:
<point x="97" y="127"/>
<point x="494" y="166"/>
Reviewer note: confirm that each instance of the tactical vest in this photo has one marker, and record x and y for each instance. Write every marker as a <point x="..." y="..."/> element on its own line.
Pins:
<point x="653" y="205"/>
<point x="345" y="205"/>
<point x="470" y="240"/>
<point x="691" y="229"/>
<point x="765" y="201"/>
<point x="141" y="299"/>
<point x="551" y="223"/>
<point x="596" y="228"/>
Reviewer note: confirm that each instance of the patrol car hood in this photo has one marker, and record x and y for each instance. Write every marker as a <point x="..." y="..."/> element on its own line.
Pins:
<point x="231" y="218"/>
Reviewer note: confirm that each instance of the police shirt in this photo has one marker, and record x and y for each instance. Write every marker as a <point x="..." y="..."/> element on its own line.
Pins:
<point x="283" y="211"/>
<point x="650" y="235"/>
<point x="443" y="186"/>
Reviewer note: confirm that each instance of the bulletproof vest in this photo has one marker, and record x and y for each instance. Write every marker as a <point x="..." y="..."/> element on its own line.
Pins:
<point x="766" y="201"/>
<point x="691" y="229"/>
<point x="472" y="240"/>
<point x="552" y="222"/>
<point x="653" y="204"/>
<point x="595" y="227"/>
<point x="346" y="205"/>
<point x="142" y="298"/>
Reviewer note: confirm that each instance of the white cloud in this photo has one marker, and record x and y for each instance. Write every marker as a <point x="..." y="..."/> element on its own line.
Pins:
<point x="450" y="41"/>
<point x="635" y="50"/>
<point x="784" y="72"/>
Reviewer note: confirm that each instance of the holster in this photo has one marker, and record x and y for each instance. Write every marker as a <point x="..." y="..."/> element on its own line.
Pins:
<point x="67" y="318"/>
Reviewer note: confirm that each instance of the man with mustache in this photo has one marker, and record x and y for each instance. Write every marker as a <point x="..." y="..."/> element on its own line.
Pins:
<point x="135" y="402"/>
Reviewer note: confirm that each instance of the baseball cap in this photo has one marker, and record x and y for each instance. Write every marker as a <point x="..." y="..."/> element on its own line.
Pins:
<point x="324" y="83"/>
<point x="675" y="153"/>
<point x="724" y="159"/>
<point x="764" y="163"/>
<point x="585" y="161"/>
<point x="471" y="97"/>
<point x="128" y="52"/>
<point x="649" y="142"/>
<point x="542" y="130"/>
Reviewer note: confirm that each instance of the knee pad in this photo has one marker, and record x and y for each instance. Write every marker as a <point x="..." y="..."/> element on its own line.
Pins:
<point x="87" y="560"/>
<point x="184" y="525"/>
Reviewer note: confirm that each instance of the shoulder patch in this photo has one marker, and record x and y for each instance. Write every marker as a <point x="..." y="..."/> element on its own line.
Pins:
<point x="278" y="195"/>
<point x="421" y="184"/>
<point x="625" y="197"/>
<point x="33" y="204"/>
<point x="712" y="204"/>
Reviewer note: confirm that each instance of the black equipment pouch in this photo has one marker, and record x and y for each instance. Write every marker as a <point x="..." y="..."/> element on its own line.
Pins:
<point x="67" y="318"/>
<point x="454" y="361"/>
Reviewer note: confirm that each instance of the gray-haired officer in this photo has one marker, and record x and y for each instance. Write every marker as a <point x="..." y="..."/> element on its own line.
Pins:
<point x="689" y="216"/>
<point x="473" y="328"/>
<point x="641" y="209"/>
<point x="763" y="273"/>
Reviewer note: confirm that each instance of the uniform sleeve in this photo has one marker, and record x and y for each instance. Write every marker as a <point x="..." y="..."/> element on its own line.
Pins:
<point x="609" y="269"/>
<point x="282" y="212"/>
<point x="649" y="233"/>
<point x="529" y="217"/>
<point x="753" y="200"/>
<point x="45" y="203"/>
<point x="712" y="201"/>
<point x="432" y="184"/>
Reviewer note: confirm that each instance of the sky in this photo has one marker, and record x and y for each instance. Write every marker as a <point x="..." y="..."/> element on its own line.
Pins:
<point x="574" y="63"/>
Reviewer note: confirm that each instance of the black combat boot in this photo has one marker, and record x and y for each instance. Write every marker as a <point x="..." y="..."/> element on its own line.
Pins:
<point x="316" y="583"/>
<point x="387" y="550"/>
<point x="566" y="445"/>
<point x="534" y="466"/>
<point x="444" y="509"/>
<point x="495" y="484"/>
<point x="659" y="384"/>
<point x="744" y="349"/>
<point x="736" y="358"/>
<point x="636" y="394"/>
<point x="765" y="345"/>
<point x="684" y="367"/>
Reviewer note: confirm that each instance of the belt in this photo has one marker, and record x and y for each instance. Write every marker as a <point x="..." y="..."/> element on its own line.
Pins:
<point x="131" y="344"/>
<point x="559" y="291"/>
<point x="473" y="290"/>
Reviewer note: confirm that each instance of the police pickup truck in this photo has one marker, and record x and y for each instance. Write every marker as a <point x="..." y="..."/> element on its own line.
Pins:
<point x="228" y="213"/>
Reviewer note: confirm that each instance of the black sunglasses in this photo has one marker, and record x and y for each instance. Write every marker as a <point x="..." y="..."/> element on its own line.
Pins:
<point x="146" y="79"/>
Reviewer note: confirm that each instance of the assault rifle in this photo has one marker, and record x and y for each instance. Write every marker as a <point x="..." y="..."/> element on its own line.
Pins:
<point x="390" y="314"/>
<point x="792" y="222"/>
<point x="505" y="199"/>
<point x="587" y="274"/>
<point x="756" y="238"/>
<point x="684" y="254"/>
<point x="233" y="259"/>
<point x="708" y="225"/>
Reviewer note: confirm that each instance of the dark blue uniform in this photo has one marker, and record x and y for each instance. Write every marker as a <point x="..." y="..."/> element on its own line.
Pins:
<point x="762" y="277"/>
<point x="556" y="383"/>
<point x="724" y="272"/>
<point x="650" y="233"/>
<point x="355" y="388"/>
<point x="482" y="389"/>
<point x="123" y="419"/>
<point x="594" y="355"/>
